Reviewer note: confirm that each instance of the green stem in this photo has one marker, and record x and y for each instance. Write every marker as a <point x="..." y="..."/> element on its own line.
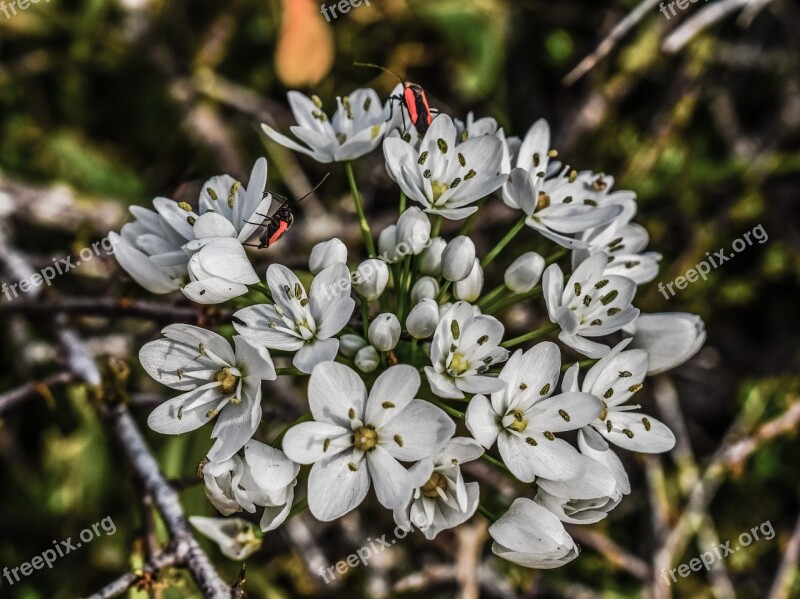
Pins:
<point x="494" y="462"/>
<point x="503" y="243"/>
<point x="556" y="255"/>
<point x="365" y="317"/>
<point x="583" y="364"/>
<point x="502" y="304"/>
<point x="436" y="226"/>
<point x="487" y="514"/>
<point x="304" y="418"/>
<point x="298" y="508"/>
<point x="452" y="411"/>
<point x="414" y="350"/>
<point x="532" y="336"/>
<point x="443" y="291"/>
<point x="359" y="203"/>
<point x="402" y="202"/>
<point x="490" y="297"/>
<point x="290" y="372"/>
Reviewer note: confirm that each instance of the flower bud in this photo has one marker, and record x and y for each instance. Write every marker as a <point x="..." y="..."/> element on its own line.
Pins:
<point x="469" y="289"/>
<point x="423" y="318"/>
<point x="370" y="279"/>
<point x="426" y="287"/>
<point x="524" y="272"/>
<point x="350" y="344"/>
<point x="326" y="253"/>
<point x="669" y="338"/>
<point x="384" y="332"/>
<point x="414" y="230"/>
<point x="387" y="247"/>
<point x="367" y="359"/>
<point x="430" y="260"/>
<point x="458" y="258"/>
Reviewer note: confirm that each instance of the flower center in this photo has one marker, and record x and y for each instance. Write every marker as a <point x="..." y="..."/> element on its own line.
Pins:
<point x="458" y="365"/>
<point x="438" y="189"/>
<point x="520" y="423"/>
<point x="543" y="201"/>
<point x="365" y="438"/>
<point x="435" y="482"/>
<point x="227" y="382"/>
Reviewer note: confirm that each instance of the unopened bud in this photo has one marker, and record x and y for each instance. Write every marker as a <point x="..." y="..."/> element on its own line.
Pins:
<point x="524" y="272"/>
<point x="458" y="258"/>
<point x="384" y="332"/>
<point x="423" y="318"/>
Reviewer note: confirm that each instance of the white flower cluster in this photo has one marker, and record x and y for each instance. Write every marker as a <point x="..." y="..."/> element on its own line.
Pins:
<point x="411" y="372"/>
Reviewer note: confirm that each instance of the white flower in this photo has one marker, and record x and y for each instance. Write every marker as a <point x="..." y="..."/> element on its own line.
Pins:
<point x="522" y="417"/>
<point x="615" y="379"/>
<point x="524" y="273"/>
<point x="469" y="289"/>
<point x="326" y="253"/>
<point x="424" y="288"/>
<point x="265" y="477"/>
<point x="367" y="359"/>
<point x="236" y="537"/>
<point x="214" y="380"/>
<point x="430" y="260"/>
<point x="585" y="500"/>
<point x="441" y="498"/>
<point x="243" y="207"/>
<point x="384" y="332"/>
<point x="558" y="207"/>
<point x="354" y="438"/>
<point x="370" y="279"/>
<point x="149" y="249"/>
<point x="414" y="230"/>
<point x="530" y="536"/>
<point x="357" y="126"/>
<point x="423" y="319"/>
<point x="670" y="338"/>
<point x="443" y="176"/>
<point x="219" y="268"/>
<point x="486" y="126"/>
<point x="624" y="242"/>
<point x="464" y="347"/>
<point x="532" y="155"/>
<point x="592" y="304"/>
<point x="300" y="322"/>
<point x="458" y="258"/>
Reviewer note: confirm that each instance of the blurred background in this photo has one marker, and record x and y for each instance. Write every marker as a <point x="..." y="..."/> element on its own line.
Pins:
<point x="106" y="104"/>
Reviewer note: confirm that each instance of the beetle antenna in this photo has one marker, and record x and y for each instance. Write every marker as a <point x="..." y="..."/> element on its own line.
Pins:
<point x="316" y="187"/>
<point x="377" y="66"/>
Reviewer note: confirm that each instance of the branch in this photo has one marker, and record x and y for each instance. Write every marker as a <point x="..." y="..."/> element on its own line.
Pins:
<point x="123" y="427"/>
<point x="128" y="308"/>
<point x="10" y="399"/>
<point x="610" y="41"/>
<point x="706" y="17"/>
<point x="783" y="580"/>
<point x="163" y="560"/>
<point x="611" y="551"/>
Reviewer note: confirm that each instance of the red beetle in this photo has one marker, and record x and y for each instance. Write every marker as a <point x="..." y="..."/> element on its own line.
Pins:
<point x="414" y="98"/>
<point x="276" y="225"/>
